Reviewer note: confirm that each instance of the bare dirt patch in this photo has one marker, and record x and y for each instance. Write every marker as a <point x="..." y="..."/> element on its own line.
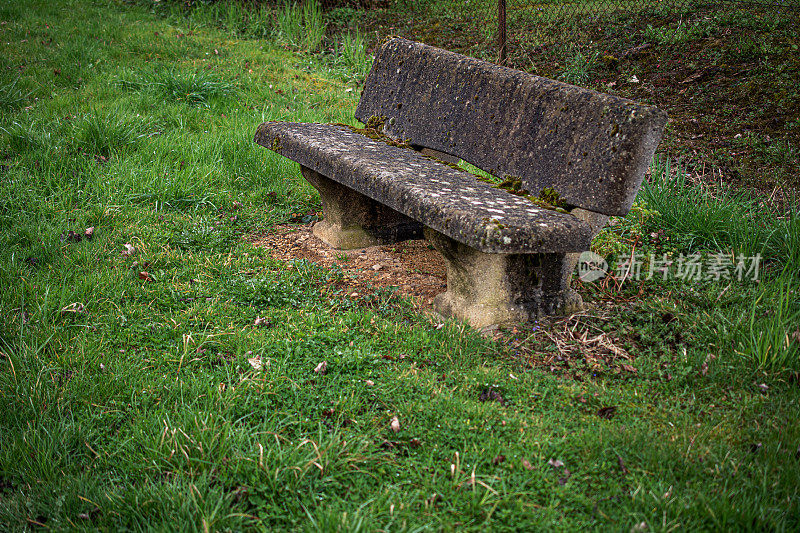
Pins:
<point x="414" y="267"/>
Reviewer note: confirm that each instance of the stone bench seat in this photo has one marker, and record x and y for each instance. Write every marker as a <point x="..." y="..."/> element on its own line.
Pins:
<point x="452" y="202"/>
<point x="509" y="257"/>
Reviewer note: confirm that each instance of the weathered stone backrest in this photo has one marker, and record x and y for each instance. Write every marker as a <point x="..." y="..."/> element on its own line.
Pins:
<point x="591" y="148"/>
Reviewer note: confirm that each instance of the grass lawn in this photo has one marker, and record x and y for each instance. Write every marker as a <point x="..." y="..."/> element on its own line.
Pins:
<point x="162" y="372"/>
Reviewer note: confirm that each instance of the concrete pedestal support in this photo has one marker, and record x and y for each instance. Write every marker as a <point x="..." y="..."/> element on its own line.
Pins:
<point x="353" y="220"/>
<point x="486" y="289"/>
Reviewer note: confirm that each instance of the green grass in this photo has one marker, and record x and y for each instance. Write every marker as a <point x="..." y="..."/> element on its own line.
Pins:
<point x="158" y="403"/>
<point x="301" y="25"/>
<point x="578" y="67"/>
<point x="12" y="97"/>
<point x="352" y="55"/>
<point x="674" y="219"/>
<point x="196" y="88"/>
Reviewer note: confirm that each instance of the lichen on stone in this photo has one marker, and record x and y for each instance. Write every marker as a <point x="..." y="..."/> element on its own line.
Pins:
<point x="548" y="198"/>
<point x="374" y="129"/>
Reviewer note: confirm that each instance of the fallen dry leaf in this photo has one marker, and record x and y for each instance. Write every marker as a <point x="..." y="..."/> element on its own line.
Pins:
<point x="261" y="321"/>
<point x="145" y="276"/>
<point x="369" y="383"/>
<point x="555" y="463"/>
<point x="129" y="249"/>
<point x="629" y="368"/>
<point x="76" y="307"/>
<point x="89" y="233"/>
<point x="527" y="464"/>
<point x="256" y="363"/>
<point x="321" y="368"/>
<point x="395" y="424"/>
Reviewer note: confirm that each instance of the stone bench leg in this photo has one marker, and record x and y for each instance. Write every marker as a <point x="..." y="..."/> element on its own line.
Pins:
<point x="353" y="220"/>
<point x="486" y="289"/>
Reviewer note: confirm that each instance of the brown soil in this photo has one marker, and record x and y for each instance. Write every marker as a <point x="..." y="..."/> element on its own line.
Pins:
<point x="419" y="273"/>
<point x="414" y="267"/>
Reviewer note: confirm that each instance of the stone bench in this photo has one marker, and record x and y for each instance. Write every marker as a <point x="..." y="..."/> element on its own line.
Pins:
<point x="569" y="158"/>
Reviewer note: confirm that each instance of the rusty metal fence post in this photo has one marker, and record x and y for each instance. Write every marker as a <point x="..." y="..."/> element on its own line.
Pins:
<point x="501" y="30"/>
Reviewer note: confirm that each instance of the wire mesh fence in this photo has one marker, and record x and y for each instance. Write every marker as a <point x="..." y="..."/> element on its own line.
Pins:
<point x="504" y="23"/>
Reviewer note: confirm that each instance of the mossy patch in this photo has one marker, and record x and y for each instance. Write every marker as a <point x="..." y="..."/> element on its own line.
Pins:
<point x="374" y="129"/>
<point x="513" y="184"/>
<point x="548" y="197"/>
